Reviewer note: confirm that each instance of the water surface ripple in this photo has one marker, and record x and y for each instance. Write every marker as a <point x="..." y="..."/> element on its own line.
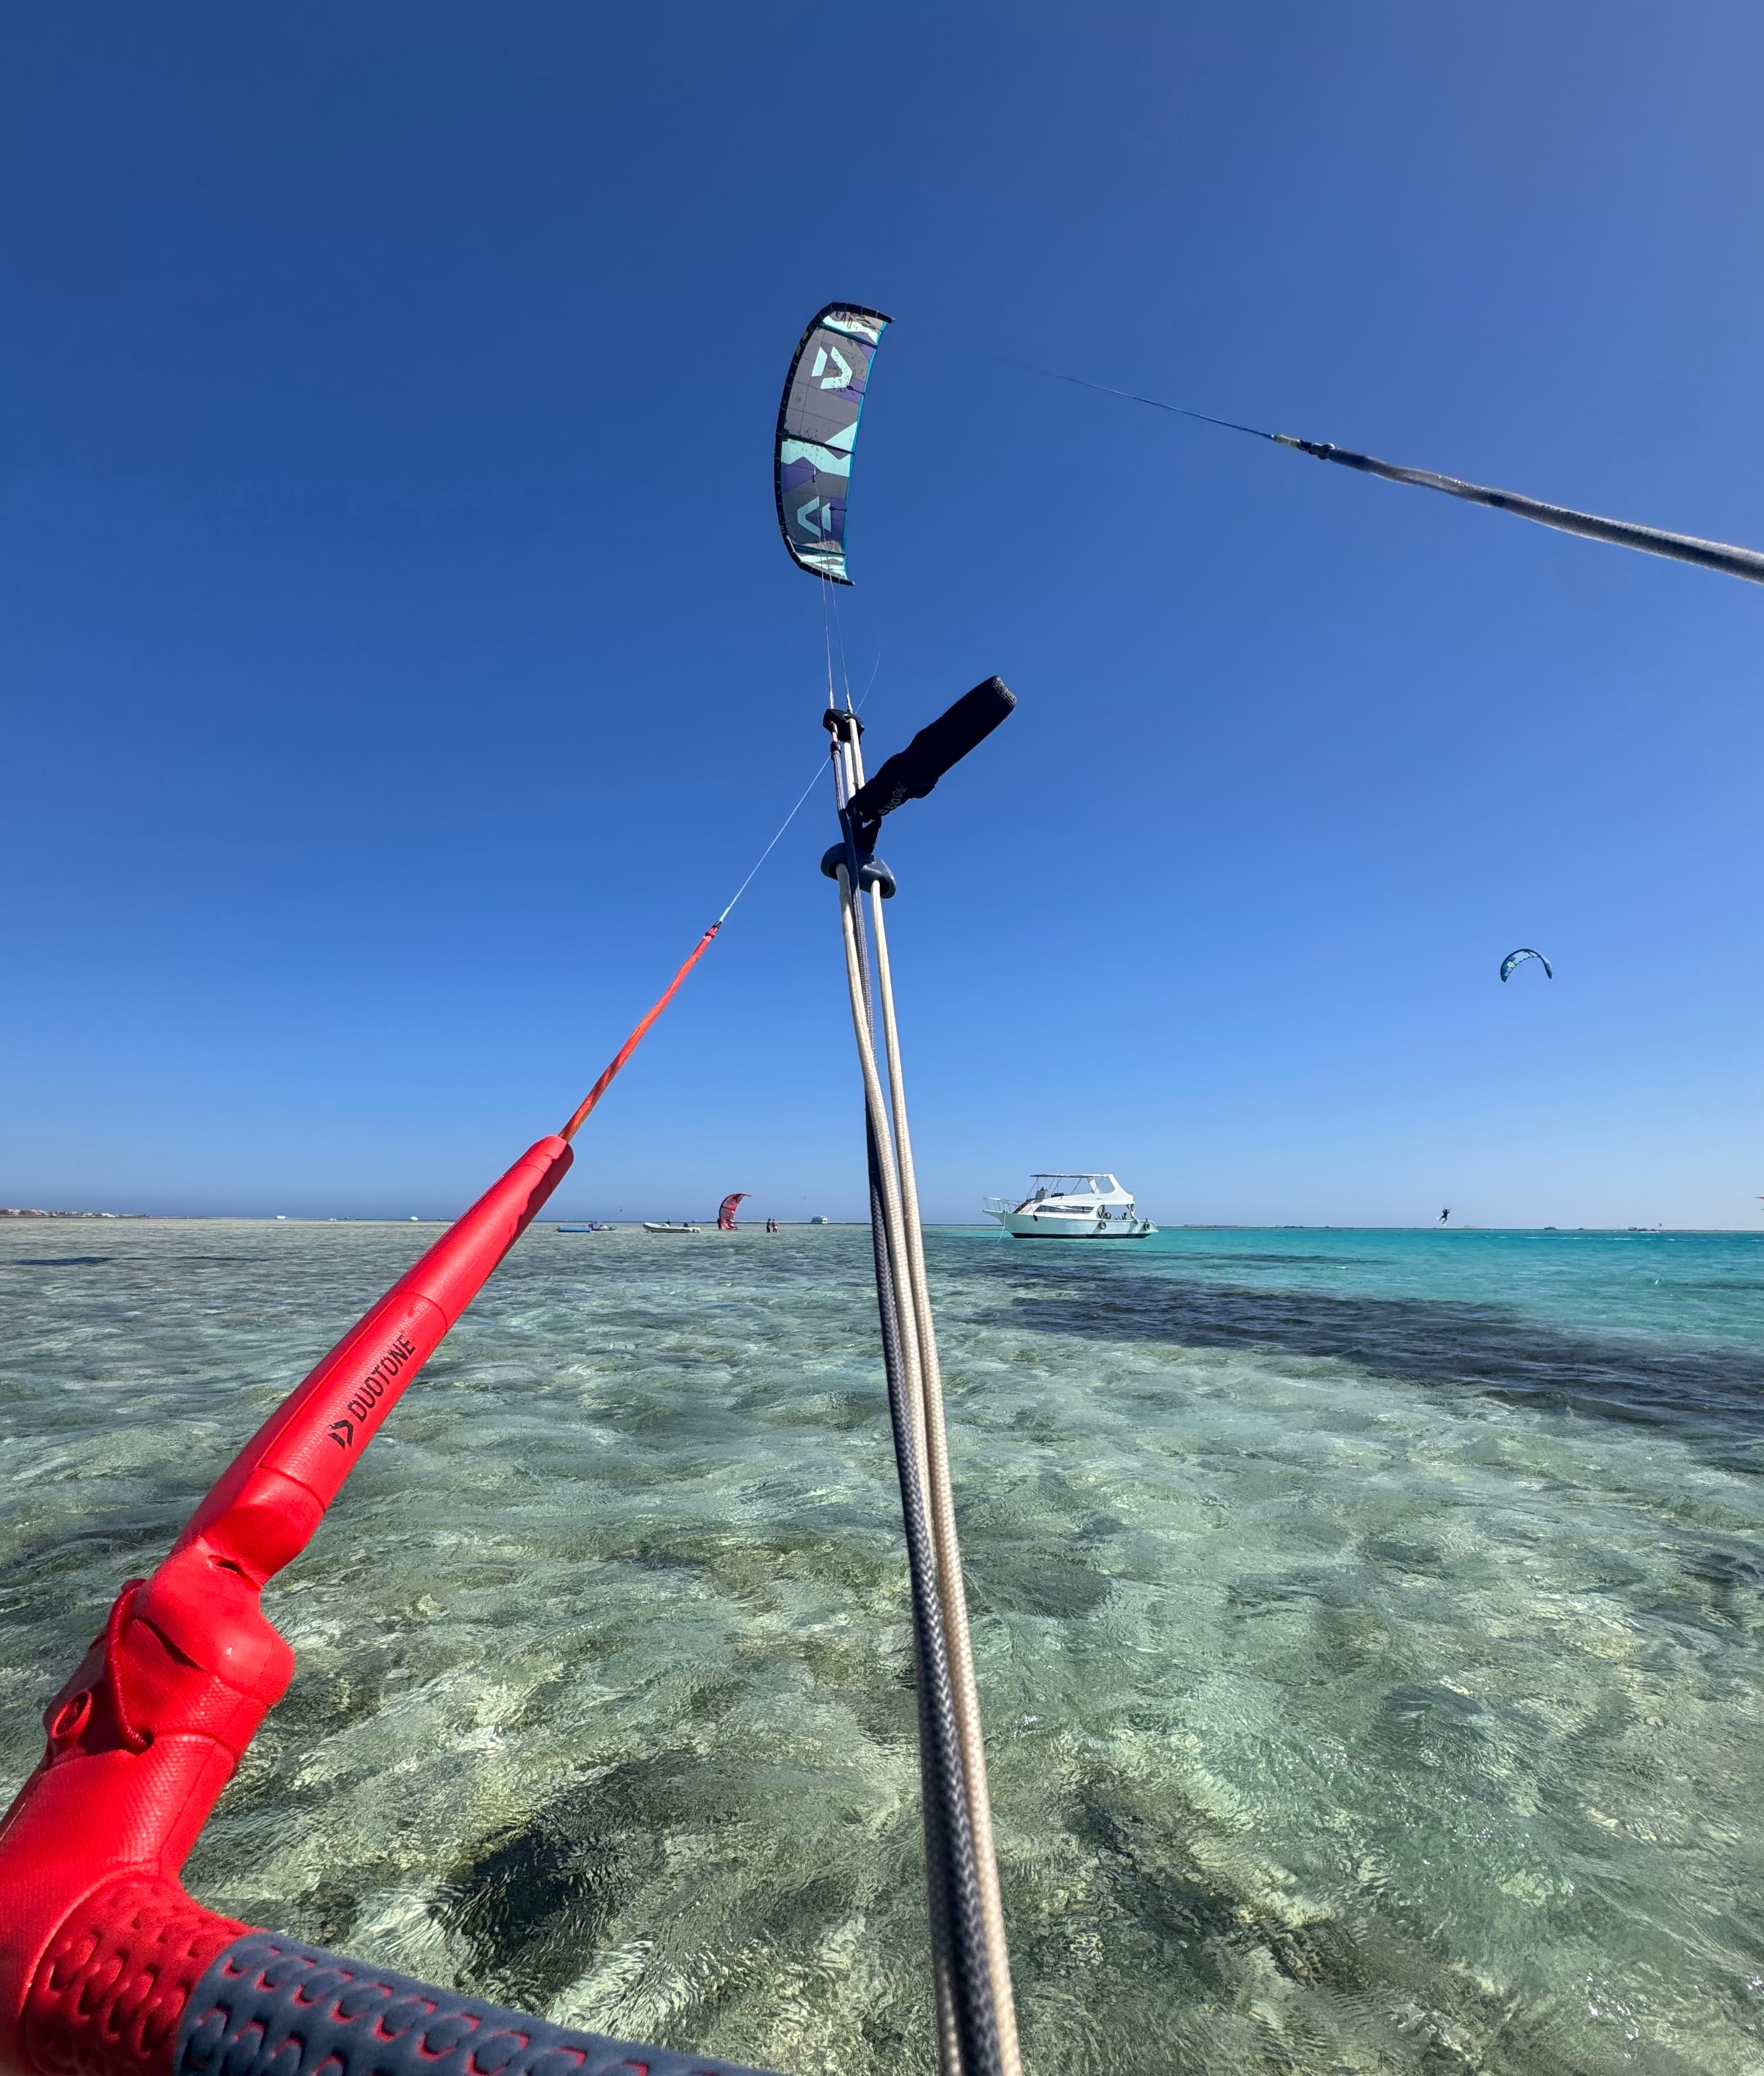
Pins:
<point x="1367" y="1628"/>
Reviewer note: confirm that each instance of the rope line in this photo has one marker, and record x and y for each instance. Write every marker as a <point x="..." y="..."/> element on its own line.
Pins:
<point x="839" y="642"/>
<point x="951" y="1590"/>
<point x="910" y="1347"/>
<point x="1156" y="403"/>
<point x="773" y="845"/>
<point x="1747" y="562"/>
<point x="638" y="1036"/>
<point x="1722" y="555"/>
<point x="827" y="630"/>
<point x="974" y="2026"/>
<point x="699" y="949"/>
<point x="967" y="2039"/>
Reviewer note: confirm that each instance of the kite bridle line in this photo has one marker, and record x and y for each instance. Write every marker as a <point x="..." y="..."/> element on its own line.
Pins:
<point x="1731" y="560"/>
<point x="826" y="631"/>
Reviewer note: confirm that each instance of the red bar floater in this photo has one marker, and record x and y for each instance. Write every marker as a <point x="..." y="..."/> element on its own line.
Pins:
<point x="100" y="1946"/>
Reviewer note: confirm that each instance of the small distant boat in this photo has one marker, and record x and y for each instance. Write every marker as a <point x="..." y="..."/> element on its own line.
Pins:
<point x="1072" y="1207"/>
<point x="593" y="1226"/>
<point x="668" y="1226"/>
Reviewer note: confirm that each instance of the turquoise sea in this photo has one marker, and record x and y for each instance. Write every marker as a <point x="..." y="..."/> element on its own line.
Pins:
<point x="1368" y="1627"/>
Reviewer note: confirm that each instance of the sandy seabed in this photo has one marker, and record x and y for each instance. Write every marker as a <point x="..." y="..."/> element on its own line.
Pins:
<point x="1367" y="1632"/>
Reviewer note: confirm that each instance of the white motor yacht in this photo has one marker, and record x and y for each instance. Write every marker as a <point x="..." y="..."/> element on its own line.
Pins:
<point x="1072" y="1207"/>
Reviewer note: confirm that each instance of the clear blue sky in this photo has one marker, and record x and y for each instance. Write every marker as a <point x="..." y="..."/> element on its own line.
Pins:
<point x="401" y="666"/>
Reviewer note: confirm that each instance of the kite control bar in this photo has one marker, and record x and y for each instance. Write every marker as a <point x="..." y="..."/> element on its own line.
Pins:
<point x="107" y="1966"/>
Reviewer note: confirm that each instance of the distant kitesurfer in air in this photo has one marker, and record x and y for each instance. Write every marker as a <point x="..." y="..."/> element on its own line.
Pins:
<point x="1445" y="1215"/>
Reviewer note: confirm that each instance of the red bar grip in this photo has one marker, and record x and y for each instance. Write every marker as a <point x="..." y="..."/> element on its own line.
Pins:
<point x="147" y="1732"/>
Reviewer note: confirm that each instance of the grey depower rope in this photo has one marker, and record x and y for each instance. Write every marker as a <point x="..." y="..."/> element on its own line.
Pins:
<point x="975" y="2020"/>
<point x="1747" y="562"/>
<point x="951" y="1591"/>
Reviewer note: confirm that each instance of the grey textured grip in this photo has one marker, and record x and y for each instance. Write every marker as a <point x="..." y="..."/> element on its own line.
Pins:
<point x="270" y="2007"/>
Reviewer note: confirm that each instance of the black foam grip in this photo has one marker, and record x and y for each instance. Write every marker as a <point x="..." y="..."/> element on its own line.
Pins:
<point x="910" y="773"/>
<point x="272" y="2007"/>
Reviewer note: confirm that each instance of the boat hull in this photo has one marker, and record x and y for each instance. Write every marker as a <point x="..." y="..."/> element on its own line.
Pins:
<point x="1052" y="1225"/>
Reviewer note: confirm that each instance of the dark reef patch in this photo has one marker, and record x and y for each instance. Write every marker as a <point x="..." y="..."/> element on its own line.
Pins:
<point x="535" y="1901"/>
<point x="55" y="1261"/>
<point x="1713" y="1398"/>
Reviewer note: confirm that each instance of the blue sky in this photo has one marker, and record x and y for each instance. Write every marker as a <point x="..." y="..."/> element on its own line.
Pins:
<point x="401" y="667"/>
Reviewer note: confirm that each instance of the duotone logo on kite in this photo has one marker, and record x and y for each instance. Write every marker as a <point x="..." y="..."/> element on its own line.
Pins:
<point x="820" y="520"/>
<point x="342" y="1432"/>
<point x="840" y="377"/>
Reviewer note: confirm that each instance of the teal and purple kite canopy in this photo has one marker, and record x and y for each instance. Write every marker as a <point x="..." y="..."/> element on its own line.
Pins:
<point x="817" y="428"/>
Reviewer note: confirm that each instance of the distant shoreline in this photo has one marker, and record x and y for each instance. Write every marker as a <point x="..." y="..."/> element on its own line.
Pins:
<point x="804" y="1225"/>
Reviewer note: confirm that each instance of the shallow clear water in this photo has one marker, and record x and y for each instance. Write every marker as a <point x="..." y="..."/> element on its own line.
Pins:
<point x="1368" y="1630"/>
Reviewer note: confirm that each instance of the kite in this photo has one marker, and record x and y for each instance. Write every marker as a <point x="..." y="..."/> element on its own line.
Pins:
<point x="817" y="431"/>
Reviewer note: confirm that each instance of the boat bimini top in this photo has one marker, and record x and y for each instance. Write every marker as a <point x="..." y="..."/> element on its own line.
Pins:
<point x="1075" y="1192"/>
